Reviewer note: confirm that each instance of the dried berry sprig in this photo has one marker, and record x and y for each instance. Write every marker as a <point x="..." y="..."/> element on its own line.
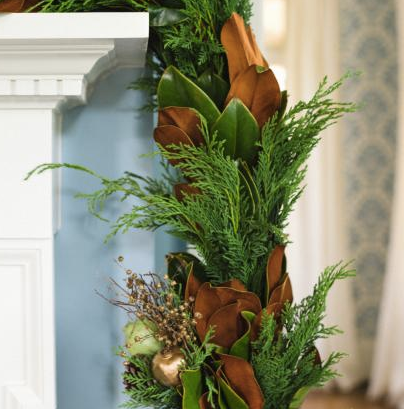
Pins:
<point x="149" y="298"/>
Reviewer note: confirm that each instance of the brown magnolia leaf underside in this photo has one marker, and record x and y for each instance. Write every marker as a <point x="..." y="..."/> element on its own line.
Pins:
<point x="167" y="135"/>
<point x="186" y="119"/>
<point x="208" y="305"/>
<point x="283" y="293"/>
<point x="228" y="323"/>
<point x="228" y="295"/>
<point x="259" y="92"/>
<point x="235" y="283"/>
<point x="16" y="6"/>
<point x="192" y="286"/>
<point x="241" y="378"/>
<point x="181" y="190"/>
<point x="274" y="267"/>
<point x="275" y="309"/>
<point x="240" y="45"/>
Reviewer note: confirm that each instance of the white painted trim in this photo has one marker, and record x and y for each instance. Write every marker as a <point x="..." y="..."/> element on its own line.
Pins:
<point x="57" y="26"/>
<point x="48" y="62"/>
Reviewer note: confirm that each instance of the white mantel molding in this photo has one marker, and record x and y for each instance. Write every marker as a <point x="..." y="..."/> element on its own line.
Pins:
<point x="48" y="62"/>
<point x="54" y="58"/>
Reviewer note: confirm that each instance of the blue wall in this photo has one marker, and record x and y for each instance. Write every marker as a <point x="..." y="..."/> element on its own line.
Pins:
<point x="107" y="135"/>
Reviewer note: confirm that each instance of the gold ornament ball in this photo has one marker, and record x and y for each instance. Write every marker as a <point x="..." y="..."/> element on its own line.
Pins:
<point x="166" y="367"/>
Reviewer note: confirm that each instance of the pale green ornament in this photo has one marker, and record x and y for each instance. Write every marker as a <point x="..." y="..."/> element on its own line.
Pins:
<point x="140" y="339"/>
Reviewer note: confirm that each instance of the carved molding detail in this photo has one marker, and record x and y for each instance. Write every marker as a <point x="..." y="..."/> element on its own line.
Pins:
<point x="54" y="59"/>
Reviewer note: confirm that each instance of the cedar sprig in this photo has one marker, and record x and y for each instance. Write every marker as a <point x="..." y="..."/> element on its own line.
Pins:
<point x="285" y="362"/>
<point x="143" y="390"/>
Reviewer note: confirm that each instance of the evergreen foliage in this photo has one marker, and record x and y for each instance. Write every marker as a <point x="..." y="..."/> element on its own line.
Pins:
<point x="145" y="391"/>
<point x="233" y="211"/>
<point x="241" y="215"/>
<point x="285" y="363"/>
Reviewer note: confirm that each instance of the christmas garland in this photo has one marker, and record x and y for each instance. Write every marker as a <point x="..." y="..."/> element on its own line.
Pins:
<point x="220" y="330"/>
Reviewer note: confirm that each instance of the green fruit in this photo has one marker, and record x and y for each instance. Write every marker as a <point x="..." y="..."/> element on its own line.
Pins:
<point x="140" y="339"/>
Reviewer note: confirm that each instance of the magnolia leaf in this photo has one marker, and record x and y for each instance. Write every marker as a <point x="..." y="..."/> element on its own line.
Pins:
<point x="184" y="190"/>
<point x="16" y="6"/>
<point x="193" y="284"/>
<point x="240" y="375"/>
<point x="187" y="119"/>
<point x="232" y="399"/>
<point x="203" y="402"/>
<point x="259" y="91"/>
<point x="284" y="104"/>
<point x="224" y="321"/>
<point x="240" y="45"/>
<point x="221" y="401"/>
<point x="283" y="292"/>
<point x="215" y="86"/>
<point x="241" y="347"/>
<point x="274" y="269"/>
<point x="239" y="129"/>
<point x="177" y="264"/>
<point x="192" y="385"/>
<point x="164" y="16"/>
<point x="274" y="309"/>
<point x="175" y="89"/>
<point x="299" y="397"/>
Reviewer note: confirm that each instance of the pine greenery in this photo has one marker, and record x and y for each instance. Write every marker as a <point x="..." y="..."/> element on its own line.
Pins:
<point x="241" y="215"/>
<point x="196" y="355"/>
<point x="145" y="391"/>
<point x="284" y="363"/>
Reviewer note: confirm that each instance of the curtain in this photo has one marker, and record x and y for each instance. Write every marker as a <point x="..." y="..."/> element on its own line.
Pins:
<point x="318" y="224"/>
<point x="387" y="376"/>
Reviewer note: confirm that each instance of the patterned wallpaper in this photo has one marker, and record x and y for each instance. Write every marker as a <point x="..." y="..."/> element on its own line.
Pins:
<point x="368" y="44"/>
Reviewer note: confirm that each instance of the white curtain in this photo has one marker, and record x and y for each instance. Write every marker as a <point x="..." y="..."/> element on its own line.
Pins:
<point x="388" y="365"/>
<point x="317" y="226"/>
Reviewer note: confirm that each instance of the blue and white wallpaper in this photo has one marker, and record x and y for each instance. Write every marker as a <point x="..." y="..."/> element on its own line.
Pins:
<point x="369" y="44"/>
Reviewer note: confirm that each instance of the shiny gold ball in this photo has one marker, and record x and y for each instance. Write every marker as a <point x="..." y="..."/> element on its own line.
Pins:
<point x="166" y="367"/>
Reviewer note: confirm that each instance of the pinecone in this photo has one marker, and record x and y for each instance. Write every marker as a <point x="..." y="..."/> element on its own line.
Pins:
<point x="130" y="370"/>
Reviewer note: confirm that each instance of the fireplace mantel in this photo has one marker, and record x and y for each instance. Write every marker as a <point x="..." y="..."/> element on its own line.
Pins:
<point x="48" y="63"/>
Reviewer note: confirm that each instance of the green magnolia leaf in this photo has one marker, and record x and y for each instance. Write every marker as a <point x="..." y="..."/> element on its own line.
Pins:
<point x="239" y="129"/>
<point x="241" y="347"/>
<point x="164" y="16"/>
<point x="299" y="397"/>
<point x="175" y="89"/>
<point x="216" y="87"/>
<point x="227" y="394"/>
<point x="284" y="104"/>
<point x="192" y="385"/>
<point x="221" y="401"/>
